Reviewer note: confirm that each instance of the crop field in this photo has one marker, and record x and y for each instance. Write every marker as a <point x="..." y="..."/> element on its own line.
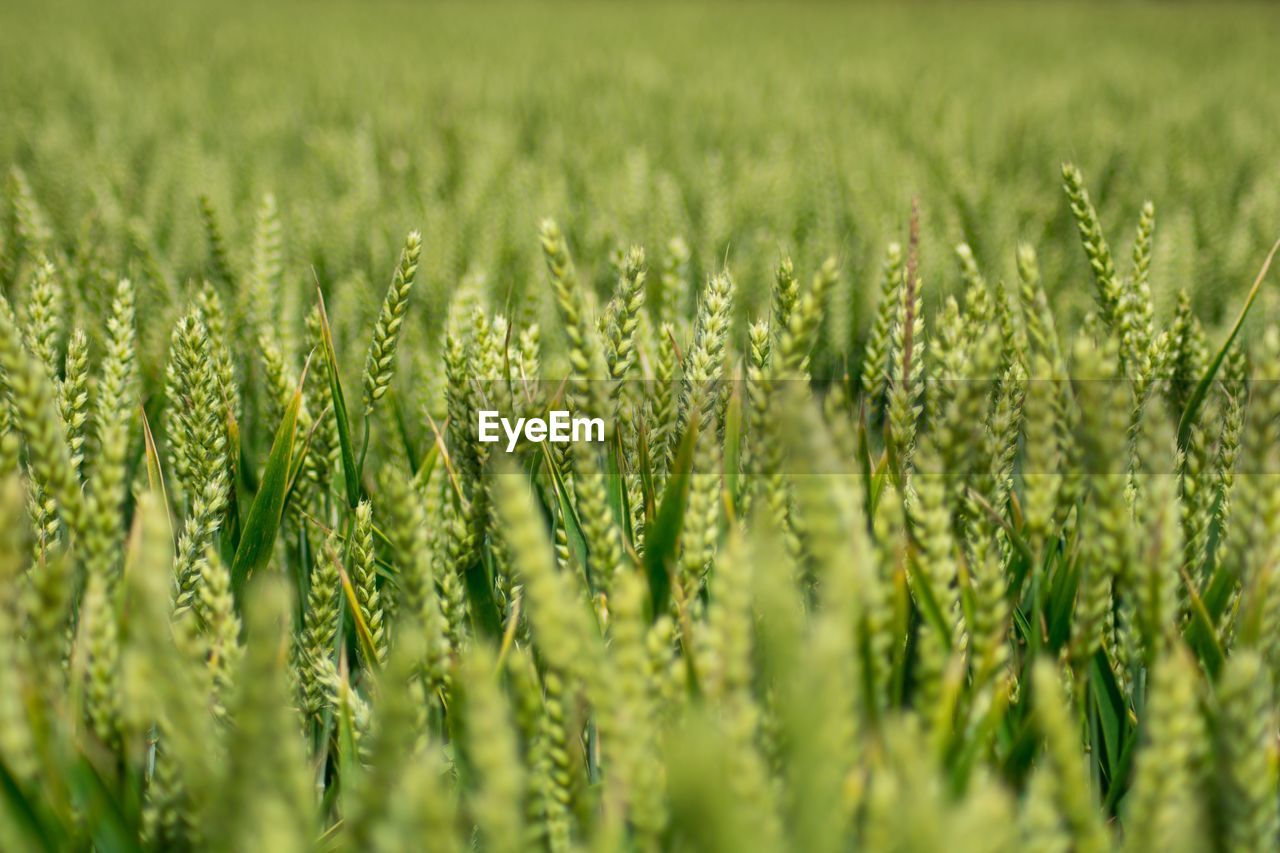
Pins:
<point x="935" y="352"/>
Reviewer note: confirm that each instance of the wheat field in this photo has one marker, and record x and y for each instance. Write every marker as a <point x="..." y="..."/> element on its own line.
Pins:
<point x="937" y="352"/>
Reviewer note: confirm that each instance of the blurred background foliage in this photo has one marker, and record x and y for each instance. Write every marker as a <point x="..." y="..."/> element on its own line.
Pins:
<point x="749" y="130"/>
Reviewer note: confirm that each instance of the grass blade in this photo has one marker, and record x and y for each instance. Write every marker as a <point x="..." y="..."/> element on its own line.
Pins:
<point x="1202" y="387"/>
<point x="660" y="542"/>
<point x="263" y="522"/>
<point x="367" y="646"/>
<point x="573" y="527"/>
<point x="25" y="815"/>
<point x="351" y="473"/>
<point x="155" y="471"/>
